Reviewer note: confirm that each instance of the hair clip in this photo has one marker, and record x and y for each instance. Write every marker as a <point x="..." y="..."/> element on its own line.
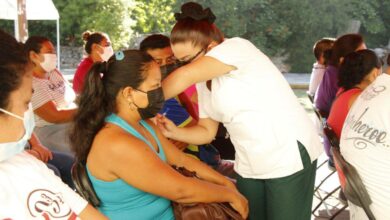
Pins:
<point x="119" y="55"/>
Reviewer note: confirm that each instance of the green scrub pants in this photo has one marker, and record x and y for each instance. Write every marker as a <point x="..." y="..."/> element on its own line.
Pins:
<point x="285" y="198"/>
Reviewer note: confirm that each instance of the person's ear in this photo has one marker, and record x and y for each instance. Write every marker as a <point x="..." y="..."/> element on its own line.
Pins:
<point x="127" y="93"/>
<point x="34" y="57"/>
<point x="341" y="60"/>
<point x="97" y="48"/>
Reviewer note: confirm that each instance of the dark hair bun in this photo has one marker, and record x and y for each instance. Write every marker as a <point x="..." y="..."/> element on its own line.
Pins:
<point x="86" y="35"/>
<point x="196" y="12"/>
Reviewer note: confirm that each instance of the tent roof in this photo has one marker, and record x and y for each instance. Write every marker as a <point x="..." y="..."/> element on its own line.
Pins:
<point x="35" y="10"/>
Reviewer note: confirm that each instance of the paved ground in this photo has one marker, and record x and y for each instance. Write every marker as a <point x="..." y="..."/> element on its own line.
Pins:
<point x="332" y="203"/>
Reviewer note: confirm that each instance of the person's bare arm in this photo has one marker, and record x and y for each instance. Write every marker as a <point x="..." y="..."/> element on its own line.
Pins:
<point x="202" y="133"/>
<point x="43" y="152"/>
<point x="50" y="113"/>
<point x="90" y="213"/>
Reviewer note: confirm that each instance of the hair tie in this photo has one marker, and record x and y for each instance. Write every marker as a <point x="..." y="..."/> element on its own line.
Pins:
<point x="196" y="12"/>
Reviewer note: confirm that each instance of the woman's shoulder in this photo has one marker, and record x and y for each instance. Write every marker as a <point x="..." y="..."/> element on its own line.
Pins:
<point x="113" y="140"/>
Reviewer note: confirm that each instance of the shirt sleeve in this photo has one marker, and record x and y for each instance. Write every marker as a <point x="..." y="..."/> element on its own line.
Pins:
<point x="41" y="94"/>
<point x="76" y="203"/>
<point x="236" y="52"/>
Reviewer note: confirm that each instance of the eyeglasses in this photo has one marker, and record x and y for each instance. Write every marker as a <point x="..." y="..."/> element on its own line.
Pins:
<point x="192" y="58"/>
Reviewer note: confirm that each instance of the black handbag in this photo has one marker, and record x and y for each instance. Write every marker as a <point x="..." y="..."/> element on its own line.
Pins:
<point x="83" y="184"/>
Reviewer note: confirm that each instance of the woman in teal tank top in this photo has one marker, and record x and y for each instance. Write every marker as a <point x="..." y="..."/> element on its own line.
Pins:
<point x="128" y="159"/>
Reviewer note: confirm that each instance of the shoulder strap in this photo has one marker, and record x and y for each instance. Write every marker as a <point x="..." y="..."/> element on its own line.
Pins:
<point x="114" y="119"/>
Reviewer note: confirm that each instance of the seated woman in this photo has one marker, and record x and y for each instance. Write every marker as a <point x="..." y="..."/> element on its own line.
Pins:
<point x="328" y="87"/>
<point x="98" y="47"/>
<point x="52" y="95"/>
<point x="53" y="98"/>
<point x="128" y="159"/>
<point x="182" y="110"/>
<point x="358" y="70"/>
<point x="365" y="144"/>
<point x="29" y="190"/>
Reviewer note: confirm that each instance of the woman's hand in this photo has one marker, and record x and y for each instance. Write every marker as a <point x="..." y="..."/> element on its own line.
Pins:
<point x="166" y="126"/>
<point x="34" y="153"/>
<point x="44" y="153"/>
<point x="240" y="204"/>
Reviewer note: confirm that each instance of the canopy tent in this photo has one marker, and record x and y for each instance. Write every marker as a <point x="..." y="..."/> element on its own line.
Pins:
<point x="34" y="10"/>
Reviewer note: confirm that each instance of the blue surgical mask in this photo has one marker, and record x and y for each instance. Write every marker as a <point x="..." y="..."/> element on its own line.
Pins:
<point x="8" y="150"/>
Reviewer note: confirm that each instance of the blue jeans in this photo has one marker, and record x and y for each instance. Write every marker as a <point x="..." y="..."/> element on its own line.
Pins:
<point x="62" y="163"/>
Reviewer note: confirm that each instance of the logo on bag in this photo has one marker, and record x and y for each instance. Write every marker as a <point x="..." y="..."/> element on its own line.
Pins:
<point x="49" y="205"/>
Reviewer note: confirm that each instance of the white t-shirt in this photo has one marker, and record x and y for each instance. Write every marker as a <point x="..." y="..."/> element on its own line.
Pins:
<point x="29" y="190"/>
<point x="316" y="76"/>
<point x="365" y="143"/>
<point x="260" y="112"/>
<point x="52" y="88"/>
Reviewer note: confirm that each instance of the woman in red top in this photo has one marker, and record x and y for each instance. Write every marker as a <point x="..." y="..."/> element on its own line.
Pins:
<point x="358" y="70"/>
<point x="98" y="47"/>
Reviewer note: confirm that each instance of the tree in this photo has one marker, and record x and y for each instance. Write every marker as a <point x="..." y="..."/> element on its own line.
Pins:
<point x="285" y="28"/>
<point x="154" y="16"/>
<point x="109" y="16"/>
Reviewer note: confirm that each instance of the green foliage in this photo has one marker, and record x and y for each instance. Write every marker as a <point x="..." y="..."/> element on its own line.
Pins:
<point x="277" y="27"/>
<point x="153" y="16"/>
<point x="109" y="16"/>
<point x="42" y="28"/>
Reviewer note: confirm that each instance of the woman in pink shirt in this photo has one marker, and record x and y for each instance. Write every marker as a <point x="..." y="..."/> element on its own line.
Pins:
<point x="98" y="47"/>
<point x="358" y="70"/>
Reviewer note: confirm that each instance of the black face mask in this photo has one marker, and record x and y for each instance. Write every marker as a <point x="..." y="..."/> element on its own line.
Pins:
<point x="156" y="101"/>
<point x="169" y="68"/>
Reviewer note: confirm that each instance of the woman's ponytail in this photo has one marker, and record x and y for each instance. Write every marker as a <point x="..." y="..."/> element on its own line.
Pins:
<point x="93" y="108"/>
<point x="98" y="98"/>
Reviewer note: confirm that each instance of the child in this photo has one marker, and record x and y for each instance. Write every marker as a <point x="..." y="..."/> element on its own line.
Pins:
<point x="320" y="50"/>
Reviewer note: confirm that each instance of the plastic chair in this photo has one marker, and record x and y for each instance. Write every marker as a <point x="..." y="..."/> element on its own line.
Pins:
<point x="350" y="180"/>
<point x="83" y="184"/>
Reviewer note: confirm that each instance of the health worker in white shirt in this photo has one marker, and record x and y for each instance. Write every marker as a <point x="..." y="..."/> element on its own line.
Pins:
<point x="275" y="141"/>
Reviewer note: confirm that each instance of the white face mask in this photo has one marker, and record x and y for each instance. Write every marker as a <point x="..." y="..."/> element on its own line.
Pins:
<point x="8" y="150"/>
<point x="50" y="62"/>
<point x="107" y="53"/>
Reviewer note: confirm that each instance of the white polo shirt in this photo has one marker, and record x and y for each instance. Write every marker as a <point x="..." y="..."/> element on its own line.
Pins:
<point x="29" y="190"/>
<point x="52" y="88"/>
<point x="365" y="143"/>
<point x="260" y="111"/>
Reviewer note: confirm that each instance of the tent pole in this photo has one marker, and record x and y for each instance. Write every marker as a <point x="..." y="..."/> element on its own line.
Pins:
<point x="22" y="30"/>
<point x="58" y="45"/>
